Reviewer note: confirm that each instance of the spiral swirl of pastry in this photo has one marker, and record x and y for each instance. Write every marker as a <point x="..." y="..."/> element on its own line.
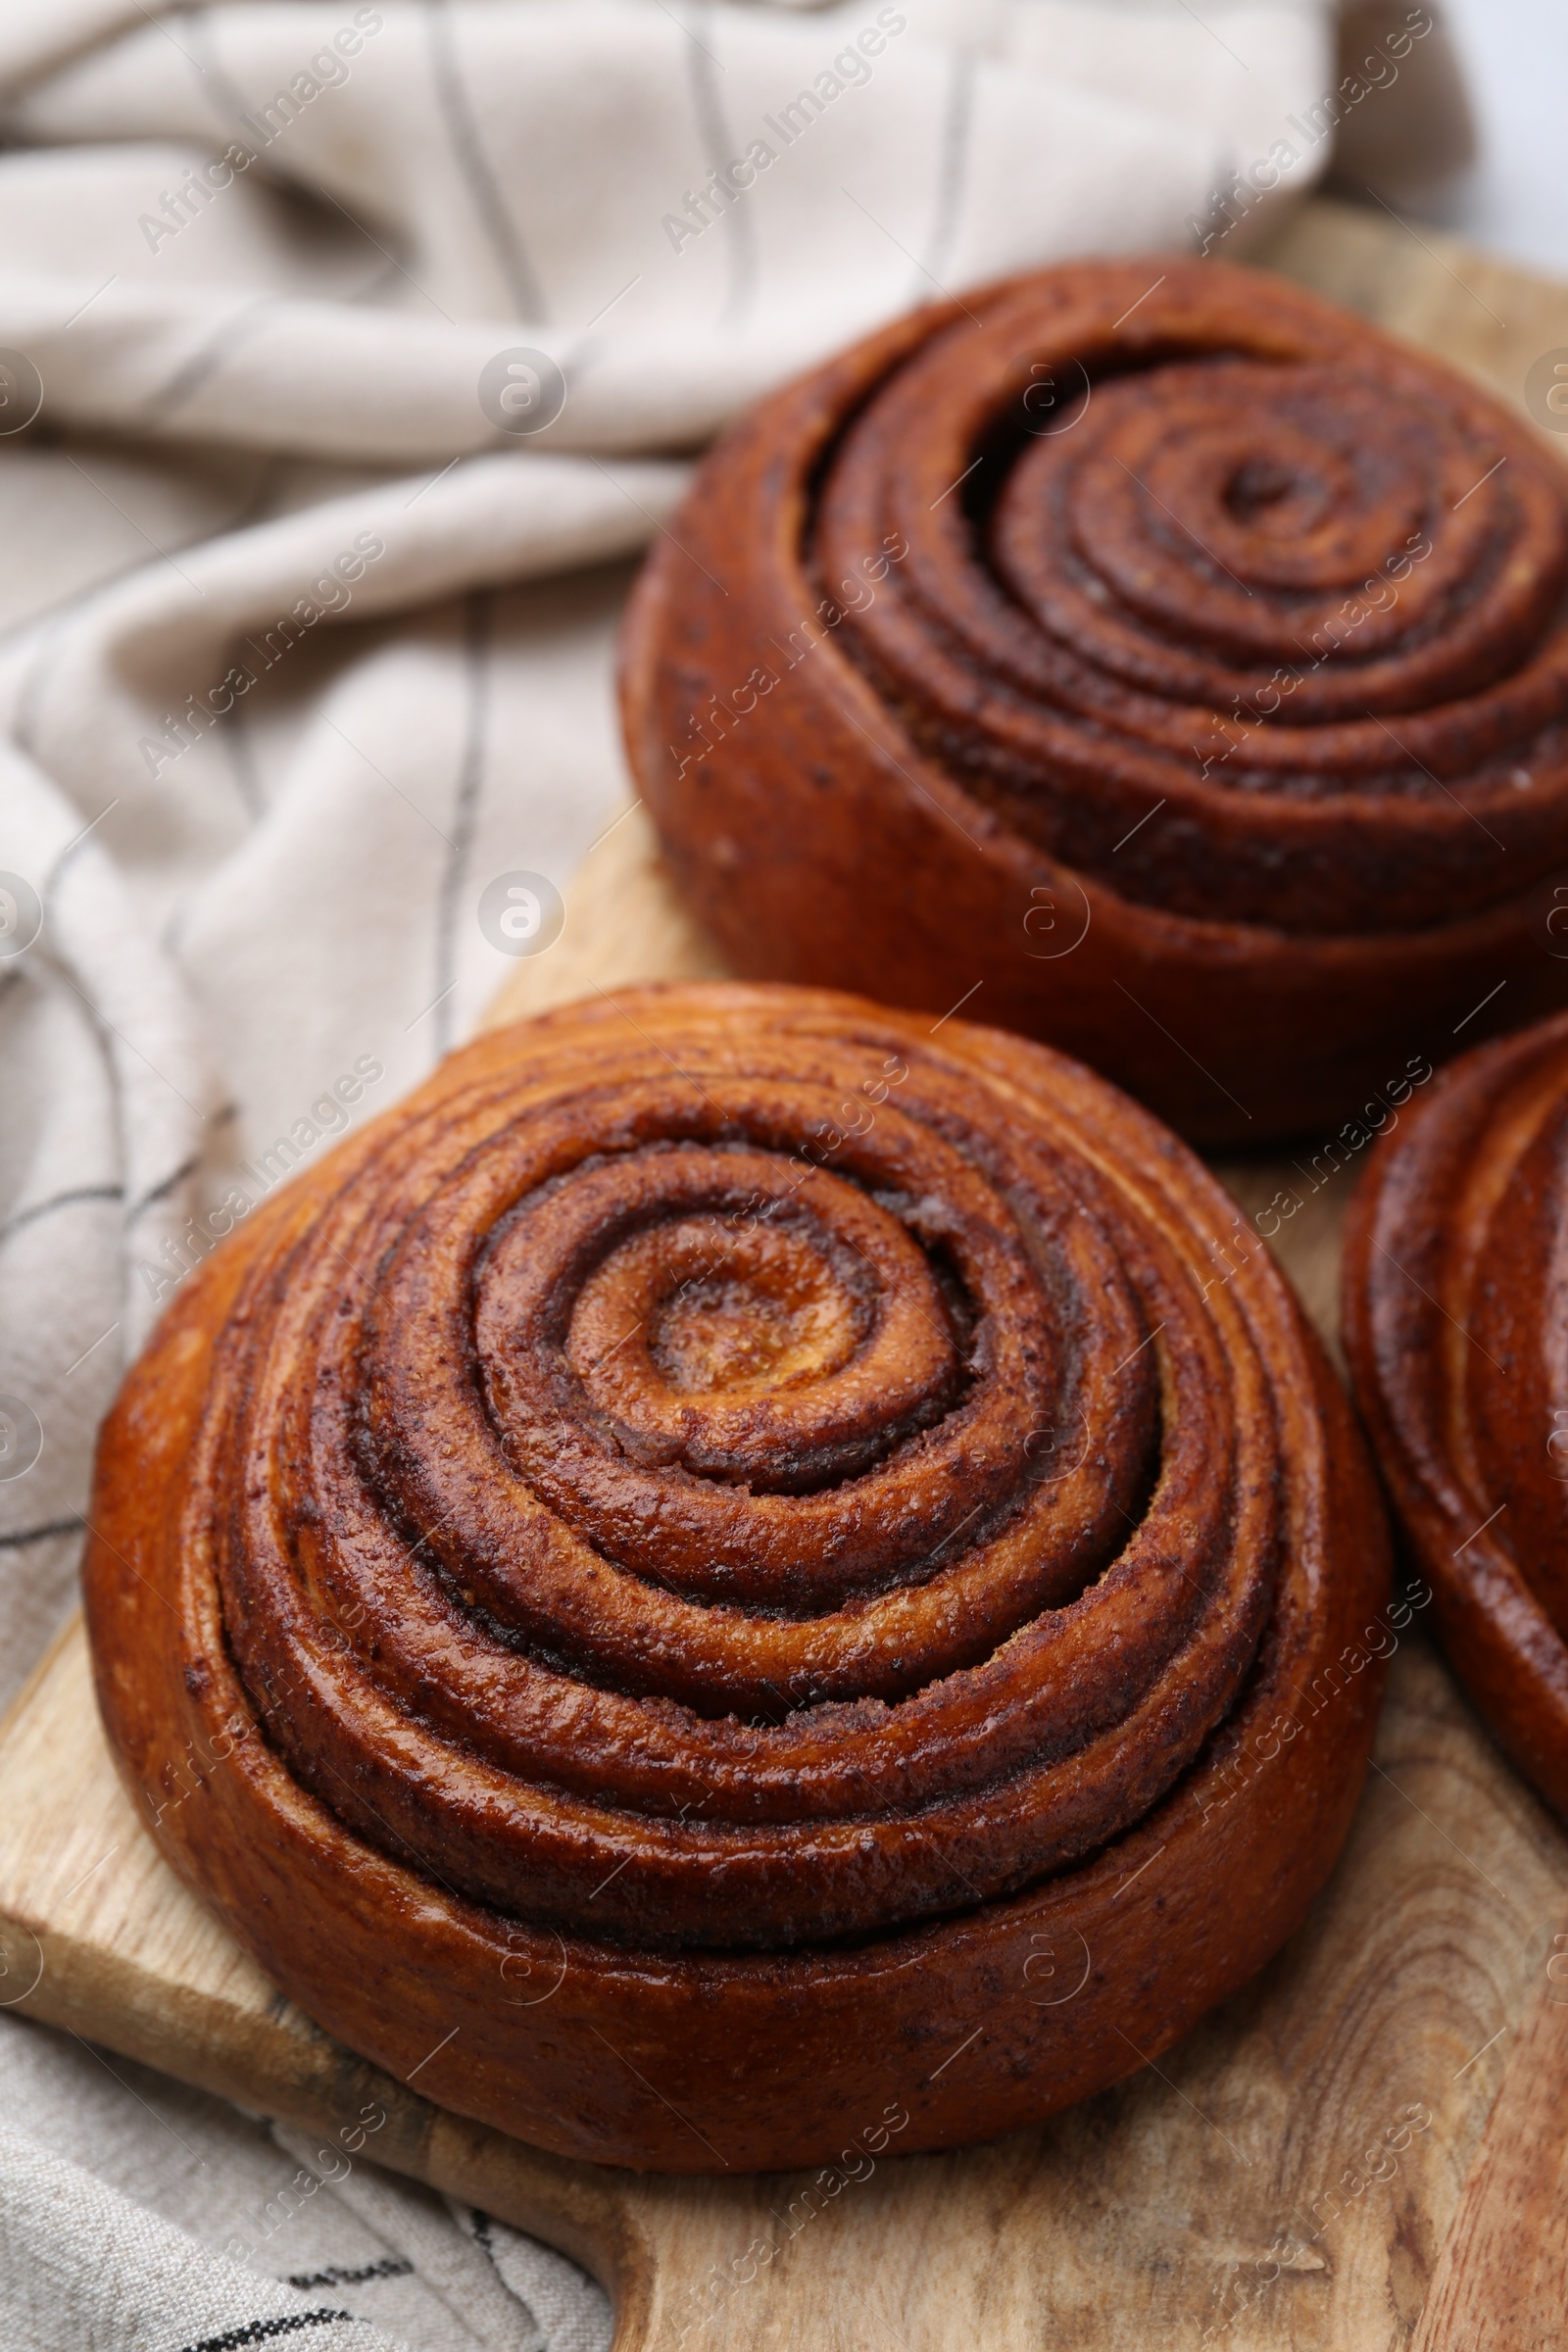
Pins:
<point x="1456" y="1328"/>
<point x="725" y="1477"/>
<point x="1205" y="631"/>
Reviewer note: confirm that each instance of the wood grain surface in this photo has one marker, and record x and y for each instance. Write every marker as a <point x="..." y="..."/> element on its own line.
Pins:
<point x="1366" y="2148"/>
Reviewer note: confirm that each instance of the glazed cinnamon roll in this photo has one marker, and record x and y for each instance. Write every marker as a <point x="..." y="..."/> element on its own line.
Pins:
<point x="734" y="1542"/>
<point x="1456" y="1328"/>
<point x="1150" y="642"/>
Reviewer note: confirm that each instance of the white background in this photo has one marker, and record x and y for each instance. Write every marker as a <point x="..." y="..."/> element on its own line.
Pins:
<point x="1515" y="59"/>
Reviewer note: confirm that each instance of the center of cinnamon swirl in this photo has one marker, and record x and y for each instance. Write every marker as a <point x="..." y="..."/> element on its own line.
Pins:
<point x="745" y="1312"/>
<point x="1258" y="486"/>
<point x="755" y="1326"/>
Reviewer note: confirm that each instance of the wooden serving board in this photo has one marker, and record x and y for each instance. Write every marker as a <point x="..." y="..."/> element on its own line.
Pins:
<point x="1368" y="2147"/>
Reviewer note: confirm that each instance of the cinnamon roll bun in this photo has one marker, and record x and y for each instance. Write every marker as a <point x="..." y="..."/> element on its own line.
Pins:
<point x="1155" y="644"/>
<point x="1456" y="1329"/>
<point x="733" y="1543"/>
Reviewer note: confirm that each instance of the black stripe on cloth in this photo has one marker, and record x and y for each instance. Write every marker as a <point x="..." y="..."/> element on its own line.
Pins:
<point x="467" y="153"/>
<point x="257" y="2331"/>
<point x="952" y="175"/>
<point x="213" y="79"/>
<point x="233" y="733"/>
<point x="162" y="1190"/>
<point x="209" y="356"/>
<point x="67" y="857"/>
<point x="740" y="226"/>
<point x="479" y="619"/>
<point x="394" y="2266"/>
<point x="44" y="1209"/>
<point x="227" y="102"/>
<point x="380" y="283"/>
<point x="39" y="1535"/>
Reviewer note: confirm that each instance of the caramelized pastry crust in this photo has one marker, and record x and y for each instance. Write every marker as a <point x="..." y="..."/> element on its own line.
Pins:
<point x="1456" y="1328"/>
<point x="733" y="1541"/>
<point x="1150" y="641"/>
